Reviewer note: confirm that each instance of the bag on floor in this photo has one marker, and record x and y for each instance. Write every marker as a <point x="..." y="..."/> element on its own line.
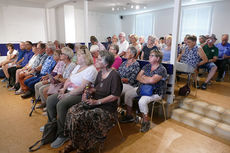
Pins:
<point x="184" y="91"/>
<point x="49" y="135"/>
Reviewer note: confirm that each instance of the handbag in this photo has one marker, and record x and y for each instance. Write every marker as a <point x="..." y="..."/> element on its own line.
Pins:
<point x="145" y="90"/>
<point x="184" y="91"/>
<point x="53" y="88"/>
<point x="49" y="135"/>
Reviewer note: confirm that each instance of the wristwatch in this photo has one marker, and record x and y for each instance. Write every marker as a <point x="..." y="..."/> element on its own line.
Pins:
<point x="99" y="102"/>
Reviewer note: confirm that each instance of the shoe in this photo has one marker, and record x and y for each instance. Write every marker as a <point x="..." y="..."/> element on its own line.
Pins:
<point x="42" y="105"/>
<point x="12" y="89"/>
<point x="27" y="94"/>
<point x="204" y="86"/>
<point x="59" y="142"/>
<point x="44" y="109"/>
<point x="196" y="85"/>
<point x="145" y="126"/>
<point x="19" y="92"/>
<point x="127" y="119"/>
<point x="4" y="80"/>
<point x="42" y="129"/>
<point x="44" y="114"/>
<point x="68" y="148"/>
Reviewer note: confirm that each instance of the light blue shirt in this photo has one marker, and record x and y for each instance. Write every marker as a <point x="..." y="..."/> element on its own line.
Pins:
<point x="48" y="65"/>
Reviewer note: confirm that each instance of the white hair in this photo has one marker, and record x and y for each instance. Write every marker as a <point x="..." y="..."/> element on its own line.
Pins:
<point x="122" y="33"/>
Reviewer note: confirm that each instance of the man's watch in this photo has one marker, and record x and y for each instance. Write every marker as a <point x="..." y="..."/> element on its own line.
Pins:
<point x="99" y="102"/>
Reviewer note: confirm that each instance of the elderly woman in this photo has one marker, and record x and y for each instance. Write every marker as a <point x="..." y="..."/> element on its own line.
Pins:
<point x="129" y="70"/>
<point x="117" y="62"/>
<point x="134" y="39"/>
<point x="147" y="48"/>
<point x="87" y="126"/>
<point x="58" y="104"/>
<point x="153" y="74"/>
<point x="167" y="50"/>
<point x="61" y="72"/>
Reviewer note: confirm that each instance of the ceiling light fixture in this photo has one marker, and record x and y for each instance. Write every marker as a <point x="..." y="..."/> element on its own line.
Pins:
<point x="137" y="7"/>
<point x="131" y="6"/>
<point x="113" y="9"/>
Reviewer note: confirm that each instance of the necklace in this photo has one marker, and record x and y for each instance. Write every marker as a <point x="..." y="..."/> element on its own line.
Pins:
<point x="105" y="76"/>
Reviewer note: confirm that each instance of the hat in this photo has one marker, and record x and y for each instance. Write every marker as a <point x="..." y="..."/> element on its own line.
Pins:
<point x="94" y="48"/>
<point x="213" y="36"/>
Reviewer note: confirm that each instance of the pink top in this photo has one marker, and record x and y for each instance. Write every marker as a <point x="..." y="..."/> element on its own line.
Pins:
<point x="117" y="62"/>
<point x="59" y="68"/>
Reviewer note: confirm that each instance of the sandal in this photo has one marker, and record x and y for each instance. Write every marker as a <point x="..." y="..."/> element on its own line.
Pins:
<point x="67" y="148"/>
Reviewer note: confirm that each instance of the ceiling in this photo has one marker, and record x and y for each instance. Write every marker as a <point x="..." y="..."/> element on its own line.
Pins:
<point x="122" y="7"/>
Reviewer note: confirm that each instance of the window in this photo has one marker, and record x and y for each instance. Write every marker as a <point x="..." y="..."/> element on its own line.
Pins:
<point x="196" y="21"/>
<point x="144" y="25"/>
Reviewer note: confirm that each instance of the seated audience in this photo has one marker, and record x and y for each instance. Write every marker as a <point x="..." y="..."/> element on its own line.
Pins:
<point x="32" y="68"/>
<point x="58" y="104"/>
<point x="88" y="127"/>
<point x="129" y="70"/>
<point x="142" y="40"/>
<point x="47" y="67"/>
<point x="94" y="41"/>
<point x="202" y="41"/>
<point x="223" y="57"/>
<point x="134" y="39"/>
<point x="46" y="80"/>
<point x="153" y="74"/>
<point x="147" y="48"/>
<point x="212" y="54"/>
<point x="167" y="50"/>
<point x="161" y="43"/>
<point x="27" y="56"/>
<point x="191" y="57"/>
<point x="123" y="44"/>
<point x="117" y="62"/>
<point x="94" y="49"/>
<point x="11" y="56"/>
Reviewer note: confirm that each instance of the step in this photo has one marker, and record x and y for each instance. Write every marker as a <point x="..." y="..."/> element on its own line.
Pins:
<point x="202" y="123"/>
<point x="205" y="109"/>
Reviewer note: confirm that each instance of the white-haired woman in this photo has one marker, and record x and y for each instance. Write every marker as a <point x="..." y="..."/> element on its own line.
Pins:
<point x="147" y="48"/>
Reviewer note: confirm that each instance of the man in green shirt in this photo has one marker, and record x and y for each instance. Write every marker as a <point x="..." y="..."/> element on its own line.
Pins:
<point x="211" y="52"/>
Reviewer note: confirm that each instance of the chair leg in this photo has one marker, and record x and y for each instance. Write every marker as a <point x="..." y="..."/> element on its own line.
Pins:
<point x="163" y="107"/>
<point x="152" y="111"/>
<point x="118" y="124"/>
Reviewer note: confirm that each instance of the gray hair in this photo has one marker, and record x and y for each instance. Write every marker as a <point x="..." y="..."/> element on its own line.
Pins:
<point x="107" y="57"/>
<point x="122" y="33"/>
<point x="67" y="51"/>
<point x="153" y="38"/>
<point x="133" y="51"/>
<point x="51" y="46"/>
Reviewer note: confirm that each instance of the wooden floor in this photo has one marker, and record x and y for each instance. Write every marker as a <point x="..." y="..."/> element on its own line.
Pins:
<point x="18" y="131"/>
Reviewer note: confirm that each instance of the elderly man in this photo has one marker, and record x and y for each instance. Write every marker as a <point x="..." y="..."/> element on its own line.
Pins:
<point x="212" y="54"/>
<point x="224" y="56"/>
<point x="94" y="41"/>
<point x="123" y="44"/>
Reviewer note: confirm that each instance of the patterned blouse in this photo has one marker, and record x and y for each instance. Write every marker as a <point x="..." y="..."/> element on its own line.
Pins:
<point x="40" y="59"/>
<point x="59" y="68"/>
<point x="68" y="69"/>
<point x="129" y="72"/>
<point x="191" y="57"/>
<point x="160" y="85"/>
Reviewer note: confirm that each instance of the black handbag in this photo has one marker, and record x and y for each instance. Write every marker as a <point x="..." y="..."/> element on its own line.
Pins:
<point x="184" y="91"/>
<point x="49" y="135"/>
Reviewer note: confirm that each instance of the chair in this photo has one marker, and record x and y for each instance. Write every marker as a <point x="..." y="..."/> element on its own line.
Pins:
<point x="162" y="102"/>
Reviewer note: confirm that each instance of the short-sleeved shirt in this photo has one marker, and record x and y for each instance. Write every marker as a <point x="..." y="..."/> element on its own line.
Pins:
<point x="68" y="69"/>
<point x="129" y="72"/>
<point x="89" y="74"/>
<point x="210" y="52"/>
<point x="123" y="46"/>
<point x="146" y="51"/>
<point x="15" y="52"/>
<point x="223" y="49"/>
<point x="48" y="65"/>
<point x="117" y="62"/>
<point x="40" y="59"/>
<point x="161" y="70"/>
<point x="27" y="56"/>
<point x="166" y="55"/>
<point x="191" y="56"/>
<point x="111" y="85"/>
<point x="20" y="54"/>
<point x="31" y="61"/>
<point x="59" y="68"/>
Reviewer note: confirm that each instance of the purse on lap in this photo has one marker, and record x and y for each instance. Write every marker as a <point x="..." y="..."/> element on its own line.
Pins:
<point x="146" y="90"/>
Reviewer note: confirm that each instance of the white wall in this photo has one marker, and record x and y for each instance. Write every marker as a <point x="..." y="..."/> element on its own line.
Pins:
<point x="51" y="24"/>
<point x="60" y="23"/>
<point x="21" y="24"/>
<point x="164" y="20"/>
<point x="100" y="25"/>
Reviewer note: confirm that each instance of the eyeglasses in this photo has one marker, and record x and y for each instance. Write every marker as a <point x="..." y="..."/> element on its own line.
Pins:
<point x="152" y="55"/>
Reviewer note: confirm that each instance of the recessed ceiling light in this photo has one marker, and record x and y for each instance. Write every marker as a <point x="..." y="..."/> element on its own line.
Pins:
<point x="113" y="9"/>
<point x="124" y="8"/>
<point x="118" y="8"/>
<point x="137" y="7"/>
<point x="131" y="6"/>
